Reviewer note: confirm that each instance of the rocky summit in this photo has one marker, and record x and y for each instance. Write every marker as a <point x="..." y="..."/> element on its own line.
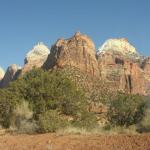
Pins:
<point x="117" y="62"/>
<point x="10" y="75"/>
<point x="35" y="57"/>
<point x="121" y="45"/>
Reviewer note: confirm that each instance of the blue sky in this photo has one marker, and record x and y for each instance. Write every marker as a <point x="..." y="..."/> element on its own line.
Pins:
<point x="23" y="23"/>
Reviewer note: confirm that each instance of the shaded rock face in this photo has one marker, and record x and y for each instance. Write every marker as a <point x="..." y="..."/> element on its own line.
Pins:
<point x="78" y="51"/>
<point x="146" y="66"/>
<point x="10" y="75"/>
<point x="122" y="73"/>
<point x="2" y="73"/>
<point x="36" y="57"/>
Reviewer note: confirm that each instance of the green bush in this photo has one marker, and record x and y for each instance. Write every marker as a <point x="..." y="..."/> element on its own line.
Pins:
<point x="126" y="109"/>
<point x="49" y="91"/>
<point x="50" y="121"/>
<point x="144" y="125"/>
<point x="87" y="120"/>
<point x="43" y="92"/>
<point x="8" y="102"/>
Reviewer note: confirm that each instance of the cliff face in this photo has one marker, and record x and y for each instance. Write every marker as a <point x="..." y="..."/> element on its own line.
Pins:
<point x="78" y="51"/>
<point x="146" y="66"/>
<point x="122" y="73"/>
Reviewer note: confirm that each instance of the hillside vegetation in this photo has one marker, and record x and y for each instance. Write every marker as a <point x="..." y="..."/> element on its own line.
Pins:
<point x="50" y="101"/>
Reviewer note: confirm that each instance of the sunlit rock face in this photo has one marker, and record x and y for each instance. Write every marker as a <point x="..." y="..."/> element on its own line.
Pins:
<point x="10" y="75"/>
<point x="78" y="51"/>
<point x="39" y="52"/>
<point x="120" y="45"/>
<point x="2" y="73"/>
<point x="36" y="57"/>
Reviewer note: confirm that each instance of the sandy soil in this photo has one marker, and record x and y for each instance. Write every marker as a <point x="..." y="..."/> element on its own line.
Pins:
<point x="75" y="142"/>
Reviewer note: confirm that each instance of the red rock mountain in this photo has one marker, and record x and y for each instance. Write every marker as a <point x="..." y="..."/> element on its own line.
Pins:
<point x="116" y="62"/>
<point x="78" y="51"/>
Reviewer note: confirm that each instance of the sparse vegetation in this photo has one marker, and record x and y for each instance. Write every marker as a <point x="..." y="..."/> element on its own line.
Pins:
<point x="126" y="110"/>
<point x="144" y="125"/>
<point x="87" y="121"/>
<point x="43" y="101"/>
<point x="50" y="121"/>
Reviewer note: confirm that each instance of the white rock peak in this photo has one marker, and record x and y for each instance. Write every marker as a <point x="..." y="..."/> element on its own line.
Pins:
<point x="39" y="51"/>
<point x="121" y="45"/>
<point x="2" y="73"/>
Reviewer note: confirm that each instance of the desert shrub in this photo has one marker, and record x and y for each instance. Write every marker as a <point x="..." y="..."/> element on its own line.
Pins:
<point x="126" y="109"/>
<point x="109" y="129"/>
<point x="22" y="118"/>
<point x="8" y="102"/>
<point x="144" y="125"/>
<point x="37" y="97"/>
<point x="50" y="121"/>
<point x="27" y="126"/>
<point x="87" y="120"/>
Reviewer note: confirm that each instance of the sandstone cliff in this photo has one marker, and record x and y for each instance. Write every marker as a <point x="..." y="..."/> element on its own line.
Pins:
<point x="78" y="51"/>
<point x="120" y="64"/>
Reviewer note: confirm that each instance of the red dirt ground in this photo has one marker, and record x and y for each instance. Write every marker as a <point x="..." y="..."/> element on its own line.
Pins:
<point x="75" y="142"/>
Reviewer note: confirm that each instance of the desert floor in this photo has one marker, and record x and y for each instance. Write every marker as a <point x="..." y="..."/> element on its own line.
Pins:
<point x="74" y="142"/>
